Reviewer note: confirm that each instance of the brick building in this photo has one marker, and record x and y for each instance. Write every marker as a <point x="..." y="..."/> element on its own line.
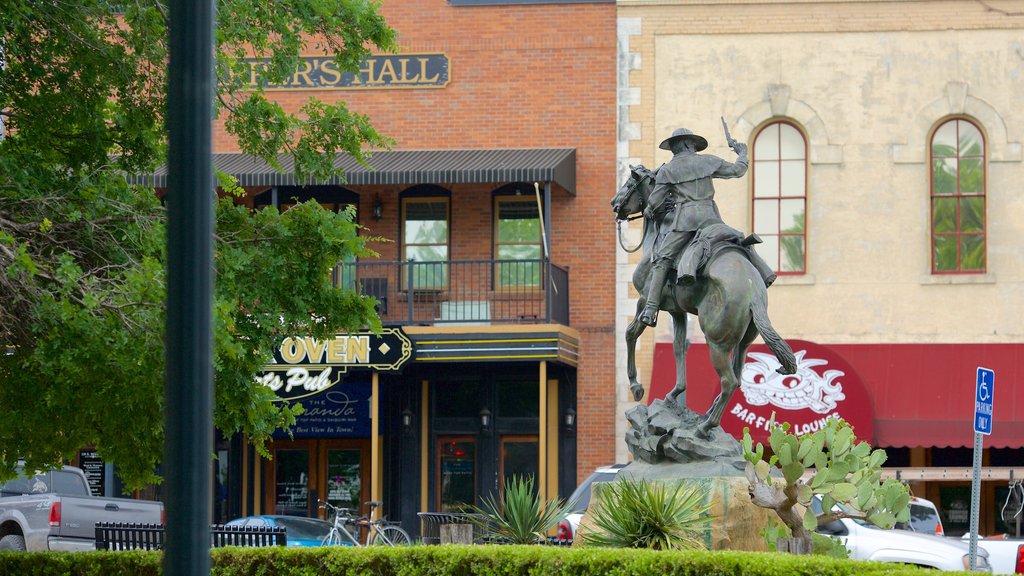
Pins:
<point x="885" y="141"/>
<point x="494" y="282"/>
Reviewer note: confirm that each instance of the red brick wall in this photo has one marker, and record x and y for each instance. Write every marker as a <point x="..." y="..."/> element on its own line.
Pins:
<point x="521" y="76"/>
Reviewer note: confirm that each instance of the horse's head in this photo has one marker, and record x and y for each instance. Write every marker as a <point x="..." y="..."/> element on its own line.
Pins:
<point x="632" y="194"/>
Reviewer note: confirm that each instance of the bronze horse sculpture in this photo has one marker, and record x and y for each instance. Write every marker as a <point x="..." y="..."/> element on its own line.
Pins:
<point x="730" y="301"/>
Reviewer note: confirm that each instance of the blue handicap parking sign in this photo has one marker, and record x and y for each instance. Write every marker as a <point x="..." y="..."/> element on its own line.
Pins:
<point x="983" y="394"/>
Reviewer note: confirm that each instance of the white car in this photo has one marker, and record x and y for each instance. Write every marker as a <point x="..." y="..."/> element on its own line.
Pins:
<point x="924" y="518"/>
<point x="581" y="500"/>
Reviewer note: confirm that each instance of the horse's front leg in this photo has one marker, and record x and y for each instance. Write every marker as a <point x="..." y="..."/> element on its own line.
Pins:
<point x="633" y="332"/>
<point x="680" y="345"/>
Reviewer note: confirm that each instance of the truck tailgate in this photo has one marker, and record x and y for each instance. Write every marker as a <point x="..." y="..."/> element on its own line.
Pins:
<point x="79" y="515"/>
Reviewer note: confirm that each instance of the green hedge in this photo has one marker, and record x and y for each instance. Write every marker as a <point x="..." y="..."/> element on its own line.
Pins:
<point x="450" y="561"/>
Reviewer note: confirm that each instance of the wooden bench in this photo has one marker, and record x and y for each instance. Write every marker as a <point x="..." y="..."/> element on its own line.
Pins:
<point x="131" y="536"/>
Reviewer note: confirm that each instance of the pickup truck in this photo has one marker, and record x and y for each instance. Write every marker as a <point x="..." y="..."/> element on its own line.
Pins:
<point x="866" y="541"/>
<point x="1006" y="555"/>
<point x="54" y="510"/>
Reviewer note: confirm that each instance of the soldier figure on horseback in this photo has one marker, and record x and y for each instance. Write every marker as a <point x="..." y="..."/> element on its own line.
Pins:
<point x="683" y="206"/>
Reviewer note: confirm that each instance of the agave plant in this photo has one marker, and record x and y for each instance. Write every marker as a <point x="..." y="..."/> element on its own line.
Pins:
<point x="519" y="517"/>
<point x="659" y="516"/>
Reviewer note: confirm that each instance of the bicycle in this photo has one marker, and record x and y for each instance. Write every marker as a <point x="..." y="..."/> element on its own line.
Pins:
<point x="382" y="532"/>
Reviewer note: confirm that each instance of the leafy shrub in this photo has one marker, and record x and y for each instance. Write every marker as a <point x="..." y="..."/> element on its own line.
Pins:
<point x="656" y="515"/>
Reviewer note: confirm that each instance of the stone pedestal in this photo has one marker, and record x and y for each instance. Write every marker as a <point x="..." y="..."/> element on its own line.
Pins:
<point x="737" y="524"/>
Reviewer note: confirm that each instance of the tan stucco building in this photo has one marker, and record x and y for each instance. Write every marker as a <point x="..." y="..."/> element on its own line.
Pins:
<point x="886" y="169"/>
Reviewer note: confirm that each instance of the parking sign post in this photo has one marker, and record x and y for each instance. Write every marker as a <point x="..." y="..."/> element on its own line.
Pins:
<point x="984" y="390"/>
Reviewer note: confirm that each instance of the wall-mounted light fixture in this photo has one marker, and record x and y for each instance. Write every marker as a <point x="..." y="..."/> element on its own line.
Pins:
<point x="569" y="419"/>
<point x="378" y="208"/>
<point x="485" y="420"/>
<point x="407" y="421"/>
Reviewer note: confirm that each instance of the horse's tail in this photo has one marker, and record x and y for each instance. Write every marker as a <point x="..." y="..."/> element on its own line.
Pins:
<point x="759" y="310"/>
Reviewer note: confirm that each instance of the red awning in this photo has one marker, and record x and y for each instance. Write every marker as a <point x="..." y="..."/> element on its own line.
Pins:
<point x="921" y="394"/>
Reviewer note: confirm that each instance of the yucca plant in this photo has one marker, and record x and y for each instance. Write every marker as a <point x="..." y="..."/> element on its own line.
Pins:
<point x="519" y="517"/>
<point x="655" y="515"/>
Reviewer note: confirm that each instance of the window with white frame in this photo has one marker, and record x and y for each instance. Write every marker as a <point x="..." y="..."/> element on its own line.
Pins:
<point x="780" y="196"/>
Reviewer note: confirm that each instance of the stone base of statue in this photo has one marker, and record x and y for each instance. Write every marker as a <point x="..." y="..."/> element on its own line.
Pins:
<point x="736" y="524"/>
<point x="666" y="448"/>
<point x="667" y="432"/>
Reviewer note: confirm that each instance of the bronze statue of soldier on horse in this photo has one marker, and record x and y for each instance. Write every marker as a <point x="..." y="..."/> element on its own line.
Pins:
<point x="694" y="263"/>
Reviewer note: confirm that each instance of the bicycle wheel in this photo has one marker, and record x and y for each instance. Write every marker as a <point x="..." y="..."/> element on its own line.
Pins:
<point x="390" y="536"/>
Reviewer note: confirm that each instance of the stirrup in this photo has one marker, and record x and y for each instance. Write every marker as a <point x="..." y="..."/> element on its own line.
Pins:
<point x="649" y="316"/>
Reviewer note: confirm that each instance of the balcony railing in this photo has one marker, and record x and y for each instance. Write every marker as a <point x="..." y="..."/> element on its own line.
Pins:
<point x="462" y="292"/>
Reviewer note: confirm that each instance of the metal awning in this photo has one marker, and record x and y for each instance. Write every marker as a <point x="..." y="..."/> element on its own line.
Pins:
<point x="406" y="167"/>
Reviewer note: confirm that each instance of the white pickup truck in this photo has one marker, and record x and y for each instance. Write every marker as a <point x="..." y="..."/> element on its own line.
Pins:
<point x="1006" y="555"/>
<point x="866" y="541"/>
<point x="54" y="510"/>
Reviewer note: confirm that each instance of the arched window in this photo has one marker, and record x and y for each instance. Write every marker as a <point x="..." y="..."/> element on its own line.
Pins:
<point x="780" y="196"/>
<point x="958" y="197"/>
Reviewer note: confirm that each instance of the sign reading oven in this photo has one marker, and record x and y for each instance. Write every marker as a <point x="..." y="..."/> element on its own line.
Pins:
<point x="304" y="366"/>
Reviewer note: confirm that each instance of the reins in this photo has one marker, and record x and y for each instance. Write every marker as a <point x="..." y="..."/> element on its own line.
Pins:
<point x="618" y="228"/>
<point x="618" y="223"/>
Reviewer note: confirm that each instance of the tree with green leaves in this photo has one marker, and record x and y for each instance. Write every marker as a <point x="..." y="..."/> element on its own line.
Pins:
<point x="82" y="252"/>
<point x="828" y="464"/>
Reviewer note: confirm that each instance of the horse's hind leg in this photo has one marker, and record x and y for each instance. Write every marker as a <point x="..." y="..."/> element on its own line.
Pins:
<point x="722" y="361"/>
<point x="633" y="332"/>
<point x="739" y="356"/>
<point x="679" y="348"/>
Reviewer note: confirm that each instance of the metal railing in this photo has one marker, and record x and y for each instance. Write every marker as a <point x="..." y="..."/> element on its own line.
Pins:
<point x="462" y="291"/>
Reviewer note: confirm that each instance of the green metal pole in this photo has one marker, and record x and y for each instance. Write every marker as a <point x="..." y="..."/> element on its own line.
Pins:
<point x="187" y="465"/>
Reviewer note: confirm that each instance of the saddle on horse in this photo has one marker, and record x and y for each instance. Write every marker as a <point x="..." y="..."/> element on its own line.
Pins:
<point x="712" y="240"/>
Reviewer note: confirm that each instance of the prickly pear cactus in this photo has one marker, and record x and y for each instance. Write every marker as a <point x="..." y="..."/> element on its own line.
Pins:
<point x="829" y="464"/>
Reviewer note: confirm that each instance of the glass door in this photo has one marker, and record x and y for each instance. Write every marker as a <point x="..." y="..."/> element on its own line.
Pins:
<point x="305" y="471"/>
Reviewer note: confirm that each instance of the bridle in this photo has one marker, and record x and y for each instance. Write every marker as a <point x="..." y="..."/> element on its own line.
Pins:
<point x="618" y="221"/>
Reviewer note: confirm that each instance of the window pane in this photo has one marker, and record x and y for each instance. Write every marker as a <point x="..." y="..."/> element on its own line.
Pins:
<point x="769" y="249"/>
<point x="518" y="399"/>
<point x="970" y="139"/>
<point x="972" y="214"/>
<point x="944" y="140"/>
<point x="343" y="478"/>
<point x="426" y="253"/>
<point x="766" y="179"/>
<point x="519" y="252"/>
<point x="766" y="147"/>
<point x="791" y="216"/>
<point x="793" y="180"/>
<point x="522" y="459"/>
<point x="944" y="176"/>
<point x="518" y="221"/>
<point x="972" y="176"/>
<point x="458" y="474"/>
<point x="766" y="216"/>
<point x="792" y="143"/>
<point x="291" y="482"/>
<point x="430" y="275"/>
<point x="972" y="252"/>
<point x="792" y="257"/>
<point x="519" y="274"/>
<point x="945" y="252"/>
<point x="459" y="399"/>
<point x="943" y="215"/>
<point x="426" y="232"/>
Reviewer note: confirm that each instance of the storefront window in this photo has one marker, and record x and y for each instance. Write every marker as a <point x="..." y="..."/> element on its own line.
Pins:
<point x="520" y="456"/>
<point x="456" y="473"/>
<point x="955" y="509"/>
<point x="343" y="478"/>
<point x="291" y="482"/>
<point x="518" y="399"/>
